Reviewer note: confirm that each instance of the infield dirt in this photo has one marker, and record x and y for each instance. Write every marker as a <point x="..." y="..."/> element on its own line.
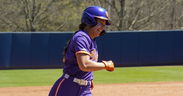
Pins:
<point x="131" y="89"/>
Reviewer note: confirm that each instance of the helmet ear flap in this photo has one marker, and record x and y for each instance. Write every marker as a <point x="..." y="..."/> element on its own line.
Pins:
<point x="89" y="19"/>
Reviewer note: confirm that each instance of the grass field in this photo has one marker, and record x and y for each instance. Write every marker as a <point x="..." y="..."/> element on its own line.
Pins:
<point x="45" y="77"/>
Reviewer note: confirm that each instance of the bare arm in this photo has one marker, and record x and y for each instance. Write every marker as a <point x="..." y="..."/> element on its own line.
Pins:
<point x="85" y="64"/>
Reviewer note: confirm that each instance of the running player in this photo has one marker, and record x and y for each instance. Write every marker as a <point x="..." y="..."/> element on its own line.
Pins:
<point x="81" y="56"/>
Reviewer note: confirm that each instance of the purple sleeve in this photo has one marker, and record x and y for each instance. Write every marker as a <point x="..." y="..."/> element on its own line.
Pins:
<point x="81" y="45"/>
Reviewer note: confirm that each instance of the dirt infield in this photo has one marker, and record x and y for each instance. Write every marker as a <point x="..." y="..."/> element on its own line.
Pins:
<point x="132" y="89"/>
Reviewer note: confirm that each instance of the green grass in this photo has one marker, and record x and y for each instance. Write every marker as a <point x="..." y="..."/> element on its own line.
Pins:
<point x="141" y="74"/>
<point x="36" y="77"/>
<point x="45" y="77"/>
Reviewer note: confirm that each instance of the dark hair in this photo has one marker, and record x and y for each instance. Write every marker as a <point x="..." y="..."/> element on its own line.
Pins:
<point x="82" y="26"/>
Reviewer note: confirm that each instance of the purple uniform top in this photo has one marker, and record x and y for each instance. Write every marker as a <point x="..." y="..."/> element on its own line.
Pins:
<point x="80" y="43"/>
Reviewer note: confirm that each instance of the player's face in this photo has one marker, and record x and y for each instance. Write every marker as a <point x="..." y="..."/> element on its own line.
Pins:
<point x="99" y="27"/>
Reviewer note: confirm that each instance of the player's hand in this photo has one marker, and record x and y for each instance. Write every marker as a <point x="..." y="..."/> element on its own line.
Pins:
<point x="109" y="65"/>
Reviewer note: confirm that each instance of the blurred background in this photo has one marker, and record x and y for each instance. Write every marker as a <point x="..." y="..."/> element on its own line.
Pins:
<point x="64" y="15"/>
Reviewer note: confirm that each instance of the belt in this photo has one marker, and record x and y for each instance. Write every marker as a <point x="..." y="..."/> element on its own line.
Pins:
<point x="78" y="81"/>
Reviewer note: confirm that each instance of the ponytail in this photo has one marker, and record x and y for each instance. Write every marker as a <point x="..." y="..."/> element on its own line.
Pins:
<point x="82" y="26"/>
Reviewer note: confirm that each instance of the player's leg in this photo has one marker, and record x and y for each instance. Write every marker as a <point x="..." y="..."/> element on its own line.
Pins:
<point x="57" y="84"/>
<point x="64" y="87"/>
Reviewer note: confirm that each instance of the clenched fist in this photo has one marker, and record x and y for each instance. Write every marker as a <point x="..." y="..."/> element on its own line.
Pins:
<point x="109" y="65"/>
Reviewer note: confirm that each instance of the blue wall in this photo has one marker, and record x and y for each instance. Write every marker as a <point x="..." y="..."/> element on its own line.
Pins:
<point x="143" y="48"/>
<point x="44" y="50"/>
<point x="32" y="50"/>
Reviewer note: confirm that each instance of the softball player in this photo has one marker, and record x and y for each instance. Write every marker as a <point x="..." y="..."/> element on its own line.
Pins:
<point x="81" y="56"/>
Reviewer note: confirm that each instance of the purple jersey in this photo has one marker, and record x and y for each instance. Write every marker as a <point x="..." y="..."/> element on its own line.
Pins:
<point x="80" y="43"/>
